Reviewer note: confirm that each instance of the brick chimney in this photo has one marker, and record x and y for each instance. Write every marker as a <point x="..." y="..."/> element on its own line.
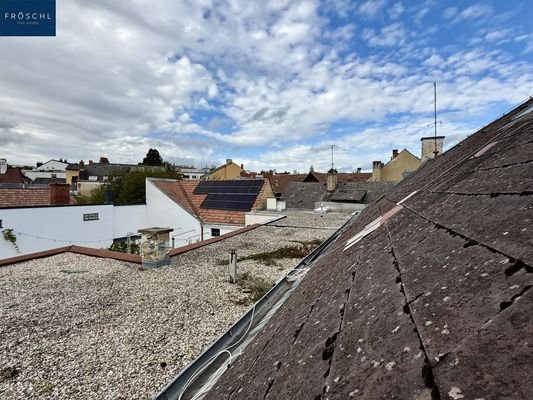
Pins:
<point x="90" y="162"/>
<point x="59" y="194"/>
<point x="429" y="148"/>
<point x="228" y="161"/>
<point x="394" y="154"/>
<point x="82" y="164"/>
<point x="331" y="180"/>
<point x="376" y="171"/>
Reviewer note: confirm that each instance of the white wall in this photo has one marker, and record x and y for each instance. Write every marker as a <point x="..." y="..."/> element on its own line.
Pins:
<point x="129" y="219"/>
<point x="165" y="213"/>
<point x="52" y="165"/>
<point x="44" y="228"/>
<point x="261" y="217"/>
<point x="43" y="174"/>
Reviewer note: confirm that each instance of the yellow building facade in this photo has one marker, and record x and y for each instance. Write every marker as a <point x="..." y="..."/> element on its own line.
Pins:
<point x="401" y="165"/>
<point x="228" y="171"/>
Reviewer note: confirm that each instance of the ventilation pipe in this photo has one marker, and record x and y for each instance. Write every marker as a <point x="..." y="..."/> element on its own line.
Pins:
<point x="232" y="266"/>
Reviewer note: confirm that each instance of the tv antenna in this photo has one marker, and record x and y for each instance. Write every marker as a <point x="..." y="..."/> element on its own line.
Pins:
<point x="332" y="147"/>
<point x="435" y="151"/>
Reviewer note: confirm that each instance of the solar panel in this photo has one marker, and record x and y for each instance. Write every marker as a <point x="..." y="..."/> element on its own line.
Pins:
<point x="251" y="186"/>
<point x="224" y="201"/>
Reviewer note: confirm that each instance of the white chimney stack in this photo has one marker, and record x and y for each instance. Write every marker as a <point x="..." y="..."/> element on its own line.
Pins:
<point x="3" y="166"/>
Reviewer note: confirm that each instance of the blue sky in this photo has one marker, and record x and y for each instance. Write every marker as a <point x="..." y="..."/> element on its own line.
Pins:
<point x="269" y="84"/>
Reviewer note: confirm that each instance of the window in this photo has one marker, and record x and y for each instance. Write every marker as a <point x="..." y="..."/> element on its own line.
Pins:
<point x="215" y="232"/>
<point x="91" y="217"/>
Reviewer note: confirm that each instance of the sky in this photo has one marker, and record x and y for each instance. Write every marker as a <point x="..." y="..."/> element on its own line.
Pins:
<point x="270" y="84"/>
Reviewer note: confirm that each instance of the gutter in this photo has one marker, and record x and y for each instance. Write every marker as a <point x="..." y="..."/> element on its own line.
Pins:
<point x="195" y="380"/>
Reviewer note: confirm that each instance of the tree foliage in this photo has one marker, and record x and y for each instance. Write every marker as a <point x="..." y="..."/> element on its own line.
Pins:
<point x="153" y="158"/>
<point x="129" y="187"/>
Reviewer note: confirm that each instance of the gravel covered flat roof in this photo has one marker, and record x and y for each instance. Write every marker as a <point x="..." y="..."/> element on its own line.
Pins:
<point x="80" y="327"/>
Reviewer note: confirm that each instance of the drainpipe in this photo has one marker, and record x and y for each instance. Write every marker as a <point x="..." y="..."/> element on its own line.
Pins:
<point x="201" y="232"/>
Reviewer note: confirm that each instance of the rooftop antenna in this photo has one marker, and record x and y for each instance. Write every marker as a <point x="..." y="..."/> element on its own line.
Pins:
<point x="435" y="151"/>
<point x="332" y="146"/>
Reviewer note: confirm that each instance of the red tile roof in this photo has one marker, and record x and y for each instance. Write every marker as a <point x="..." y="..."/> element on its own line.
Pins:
<point x="14" y="175"/>
<point x="26" y="197"/>
<point x="182" y="193"/>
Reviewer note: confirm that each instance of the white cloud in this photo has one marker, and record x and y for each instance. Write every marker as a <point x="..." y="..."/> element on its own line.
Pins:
<point x="476" y="11"/>
<point x="391" y="35"/>
<point x="449" y="12"/>
<point x="396" y="10"/>
<point x="371" y="8"/>
<point x="201" y="83"/>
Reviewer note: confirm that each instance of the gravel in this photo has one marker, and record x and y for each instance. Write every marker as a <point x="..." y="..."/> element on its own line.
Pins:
<point x="79" y="327"/>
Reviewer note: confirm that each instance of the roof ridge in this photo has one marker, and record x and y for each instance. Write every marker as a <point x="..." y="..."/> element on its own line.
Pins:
<point x="189" y="201"/>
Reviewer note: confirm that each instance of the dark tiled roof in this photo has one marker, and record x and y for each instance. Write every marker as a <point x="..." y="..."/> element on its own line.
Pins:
<point x="47" y="181"/>
<point x="304" y="195"/>
<point x="279" y="182"/>
<point x="433" y="303"/>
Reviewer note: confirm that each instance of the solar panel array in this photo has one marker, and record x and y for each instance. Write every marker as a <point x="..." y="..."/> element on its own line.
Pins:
<point x="229" y="195"/>
<point x="251" y="186"/>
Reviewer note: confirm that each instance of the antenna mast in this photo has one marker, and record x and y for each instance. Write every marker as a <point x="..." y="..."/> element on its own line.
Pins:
<point x="435" y="151"/>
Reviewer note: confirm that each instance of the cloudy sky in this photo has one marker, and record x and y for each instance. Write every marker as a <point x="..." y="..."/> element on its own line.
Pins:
<point x="271" y="84"/>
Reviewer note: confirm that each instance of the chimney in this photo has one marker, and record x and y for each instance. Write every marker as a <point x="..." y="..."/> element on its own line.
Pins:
<point x="394" y="154"/>
<point x="59" y="194"/>
<point x="431" y="144"/>
<point x="242" y="166"/>
<point x="376" y="171"/>
<point x="228" y="161"/>
<point x="331" y="180"/>
<point x="82" y="164"/>
<point x="3" y="166"/>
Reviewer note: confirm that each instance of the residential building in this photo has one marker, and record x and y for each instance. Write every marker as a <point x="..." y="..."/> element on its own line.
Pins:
<point x="193" y="174"/>
<point x="10" y="175"/>
<point x="50" y="169"/>
<point x="280" y="181"/>
<point x="400" y="166"/>
<point x="226" y="171"/>
<point x="208" y="209"/>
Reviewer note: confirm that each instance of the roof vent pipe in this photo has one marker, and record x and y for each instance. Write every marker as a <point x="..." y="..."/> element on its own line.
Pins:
<point x="232" y="266"/>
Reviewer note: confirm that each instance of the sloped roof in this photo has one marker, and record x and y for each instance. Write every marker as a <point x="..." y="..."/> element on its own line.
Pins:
<point x="26" y="197"/>
<point x="47" y="181"/>
<point x="182" y="193"/>
<point x="342" y="177"/>
<point x="304" y="195"/>
<point x="14" y="175"/>
<point x="425" y="295"/>
<point x="280" y="181"/>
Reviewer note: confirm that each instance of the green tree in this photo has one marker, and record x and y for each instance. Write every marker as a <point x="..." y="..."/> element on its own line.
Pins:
<point x="153" y="158"/>
<point x="129" y="187"/>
